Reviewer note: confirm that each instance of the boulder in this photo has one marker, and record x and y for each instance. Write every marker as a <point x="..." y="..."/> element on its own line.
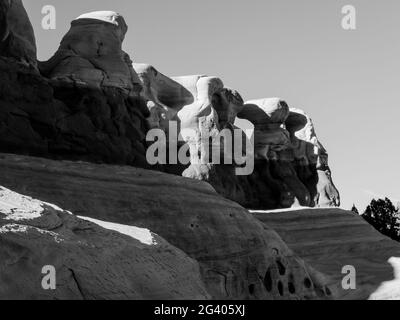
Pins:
<point x="91" y="259"/>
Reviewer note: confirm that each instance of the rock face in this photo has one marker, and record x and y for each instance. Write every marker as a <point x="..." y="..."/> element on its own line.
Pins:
<point x="17" y="39"/>
<point x="311" y="156"/>
<point x="90" y="55"/>
<point x="92" y="259"/>
<point x="201" y="107"/>
<point x="331" y="239"/>
<point x="74" y="115"/>
<point x="238" y="257"/>
<point x="291" y="165"/>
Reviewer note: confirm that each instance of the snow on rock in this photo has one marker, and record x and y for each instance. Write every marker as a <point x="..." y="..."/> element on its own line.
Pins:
<point x="17" y="207"/>
<point x="93" y="259"/>
<point x="106" y="16"/>
<point x="143" y="235"/>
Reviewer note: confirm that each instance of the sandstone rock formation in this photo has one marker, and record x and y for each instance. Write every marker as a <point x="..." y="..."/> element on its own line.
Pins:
<point x="92" y="259"/>
<point x="291" y="164"/>
<point x="238" y="257"/>
<point x="310" y="155"/>
<point x="90" y="55"/>
<point x="17" y="39"/>
<point x="331" y="239"/>
<point x="202" y="108"/>
<point x="89" y="110"/>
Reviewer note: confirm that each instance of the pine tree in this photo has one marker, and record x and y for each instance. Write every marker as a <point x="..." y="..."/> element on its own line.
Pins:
<point x="384" y="217"/>
<point x="355" y="210"/>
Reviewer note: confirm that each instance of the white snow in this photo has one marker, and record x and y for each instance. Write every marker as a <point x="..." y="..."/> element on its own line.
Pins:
<point x="18" y="228"/>
<point x="17" y="207"/>
<point x="145" y="236"/>
<point x="106" y="16"/>
<point x="290" y="209"/>
<point x="389" y="290"/>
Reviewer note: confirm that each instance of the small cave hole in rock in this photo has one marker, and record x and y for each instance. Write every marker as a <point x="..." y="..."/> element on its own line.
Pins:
<point x="268" y="280"/>
<point x="291" y="286"/>
<point x="328" y="291"/>
<point x="307" y="283"/>
<point x="281" y="267"/>
<point x="280" y="287"/>
<point x="251" y="289"/>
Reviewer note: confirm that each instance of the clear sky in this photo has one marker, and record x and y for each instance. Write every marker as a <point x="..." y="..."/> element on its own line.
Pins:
<point x="347" y="81"/>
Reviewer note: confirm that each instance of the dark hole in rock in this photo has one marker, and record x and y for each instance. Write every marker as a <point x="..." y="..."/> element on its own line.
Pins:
<point x="320" y="292"/>
<point x="251" y="289"/>
<point x="268" y="280"/>
<point x="291" y="286"/>
<point x="328" y="291"/>
<point x="280" y="288"/>
<point x="307" y="283"/>
<point x="281" y="267"/>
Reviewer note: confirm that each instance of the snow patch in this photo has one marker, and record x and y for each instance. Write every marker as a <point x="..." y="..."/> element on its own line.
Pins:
<point x="290" y="209"/>
<point x="18" y="207"/>
<point x="18" y="228"/>
<point x="145" y="236"/>
<point x="106" y="16"/>
<point x="389" y="290"/>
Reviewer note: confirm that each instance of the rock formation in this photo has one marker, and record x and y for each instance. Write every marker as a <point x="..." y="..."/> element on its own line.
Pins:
<point x="125" y="232"/>
<point x="90" y="55"/>
<point x="92" y="259"/>
<point x="238" y="257"/>
<point x="311" y="156"/>
<point x="291" y="165"/>
<point x="17" y="39"/>
<point x="331" y="239"/>
<point x="89" y="109"/>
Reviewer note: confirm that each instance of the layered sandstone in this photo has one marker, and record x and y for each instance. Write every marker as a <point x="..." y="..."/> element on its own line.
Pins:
<point x="17" y="40"/>
<point x="290" y="164"/>
<point x="330" y="240"/>
<point x="92" y="113"/>
<point x="91" y="259"/>
<point x="239" y="258"/>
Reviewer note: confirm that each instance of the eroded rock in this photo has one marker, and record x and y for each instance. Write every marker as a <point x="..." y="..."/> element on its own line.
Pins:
<point x="17" y="39"/>
<point x="238" y="257"/>
<point x="91" y="56"/>
<point x="92" y="259"/>
<point x="93" y="113"/>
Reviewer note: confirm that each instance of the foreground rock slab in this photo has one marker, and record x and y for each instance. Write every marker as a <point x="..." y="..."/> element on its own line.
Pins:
<point x="92" y="259"/>
<point x="329" y="239"/>
<point x="239" y="258"/>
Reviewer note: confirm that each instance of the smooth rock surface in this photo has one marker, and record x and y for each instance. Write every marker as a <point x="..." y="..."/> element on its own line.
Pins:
<point x="330" y="239"/>
<point x="92" y="259"/>
<point x="239" y="258"/>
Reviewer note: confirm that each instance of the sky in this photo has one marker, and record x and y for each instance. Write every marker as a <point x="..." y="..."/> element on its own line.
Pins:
<point x="346" y="80"/>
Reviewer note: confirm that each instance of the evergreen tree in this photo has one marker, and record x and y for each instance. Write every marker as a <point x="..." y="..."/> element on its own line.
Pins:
<point x="355" y="210"/>
<point x="384" y="217"/>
